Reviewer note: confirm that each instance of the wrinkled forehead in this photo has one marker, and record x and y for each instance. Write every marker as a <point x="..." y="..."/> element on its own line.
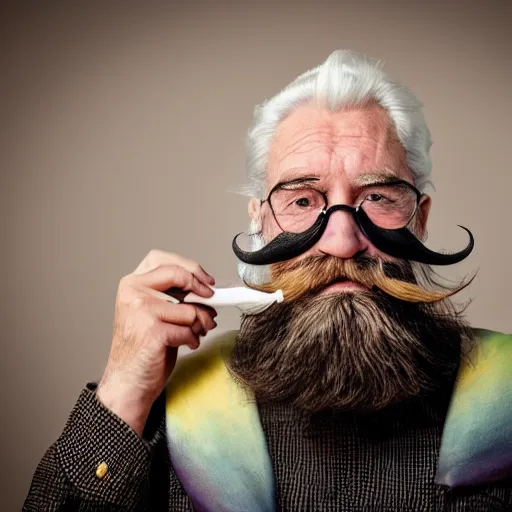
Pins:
<point x="336" y="146"/>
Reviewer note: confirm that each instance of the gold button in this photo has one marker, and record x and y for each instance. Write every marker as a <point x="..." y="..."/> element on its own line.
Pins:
<point x="101" y="470"/>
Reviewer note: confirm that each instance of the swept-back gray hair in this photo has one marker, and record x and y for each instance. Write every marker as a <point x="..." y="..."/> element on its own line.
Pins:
<point x="345" y="79"/>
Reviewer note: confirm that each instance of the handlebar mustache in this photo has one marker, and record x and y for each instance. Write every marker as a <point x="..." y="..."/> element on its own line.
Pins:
<point x="398" y="243"/>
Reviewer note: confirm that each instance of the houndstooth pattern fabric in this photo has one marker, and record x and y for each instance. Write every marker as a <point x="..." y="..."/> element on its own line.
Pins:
<point x="382" y="462"/>
<point x="138" y="472"/>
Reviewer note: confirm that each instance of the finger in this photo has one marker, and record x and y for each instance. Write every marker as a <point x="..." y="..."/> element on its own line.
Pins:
<point x="178" y="335"/>
<point x="198" y="329"/>
<point x="159" y="295"/>
<point x="188" y="315"/>
<point x="211" y="311"/>
<point x="172" y="276"/>
<point x="206" y="319"/>
<point x="177" y="314"/>
<point x="156" y="258"/>
<point x="168" y="298"/>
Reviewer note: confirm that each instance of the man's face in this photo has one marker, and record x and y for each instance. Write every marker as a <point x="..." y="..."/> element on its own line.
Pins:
<point x="346" y="151"/>
<point x="352" y="333"/>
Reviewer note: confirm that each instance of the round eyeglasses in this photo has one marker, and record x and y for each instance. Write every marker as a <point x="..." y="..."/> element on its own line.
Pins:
<point x="297" y="205"/>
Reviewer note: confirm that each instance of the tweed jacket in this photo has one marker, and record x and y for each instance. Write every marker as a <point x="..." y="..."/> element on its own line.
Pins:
<point x="381" y="462"/>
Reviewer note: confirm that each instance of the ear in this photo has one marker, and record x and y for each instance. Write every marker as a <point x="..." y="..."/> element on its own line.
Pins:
<point x="423" y="212"/>
<point x="254" y="209"/>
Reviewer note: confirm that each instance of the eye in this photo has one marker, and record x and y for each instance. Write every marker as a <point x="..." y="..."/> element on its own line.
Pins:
<point x="303" y="202"/>
<point x="374" y="197"/>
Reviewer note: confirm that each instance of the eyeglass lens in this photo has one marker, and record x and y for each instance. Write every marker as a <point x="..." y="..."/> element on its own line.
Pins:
<point x="387" y="206"/>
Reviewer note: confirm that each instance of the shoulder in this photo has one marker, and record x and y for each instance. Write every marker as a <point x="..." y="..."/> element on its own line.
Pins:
<point x="202" y="376"/>
<point x="491" y="345"/>
<point x="205" y="359"/>
<point x="487" y="359"/>
<point x="488" y="334"/>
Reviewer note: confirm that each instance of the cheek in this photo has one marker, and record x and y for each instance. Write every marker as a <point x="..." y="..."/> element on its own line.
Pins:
<point x="417" y="227"/>
<point x="269" y="227"/>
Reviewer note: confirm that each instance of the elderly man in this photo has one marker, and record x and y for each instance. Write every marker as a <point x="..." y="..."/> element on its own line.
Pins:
<point x="364" y="390"/>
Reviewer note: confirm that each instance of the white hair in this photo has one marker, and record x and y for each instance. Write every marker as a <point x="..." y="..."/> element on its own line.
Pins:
<point x="345" y="79"/>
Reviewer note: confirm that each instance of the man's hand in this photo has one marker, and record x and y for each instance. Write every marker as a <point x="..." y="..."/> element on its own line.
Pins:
<point x="148" y="329"/>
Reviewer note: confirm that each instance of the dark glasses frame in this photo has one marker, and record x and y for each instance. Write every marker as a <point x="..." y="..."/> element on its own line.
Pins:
<point x="352" y="209"/>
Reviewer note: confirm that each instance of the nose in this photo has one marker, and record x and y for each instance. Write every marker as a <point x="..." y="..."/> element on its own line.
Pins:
<point x="342" y="238"/>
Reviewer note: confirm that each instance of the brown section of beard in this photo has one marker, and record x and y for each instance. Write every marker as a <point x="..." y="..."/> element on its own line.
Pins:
<point x="358" y="351"/>
<point x="396" y="279"/>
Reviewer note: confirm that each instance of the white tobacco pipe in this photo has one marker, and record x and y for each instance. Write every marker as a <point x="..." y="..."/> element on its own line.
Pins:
<point x="247" y="300"/>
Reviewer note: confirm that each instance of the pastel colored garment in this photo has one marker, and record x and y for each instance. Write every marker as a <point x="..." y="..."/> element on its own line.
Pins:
<point x="219" y="452"/>
<point x="476" y="447"/>
<point x="216" y="444"/>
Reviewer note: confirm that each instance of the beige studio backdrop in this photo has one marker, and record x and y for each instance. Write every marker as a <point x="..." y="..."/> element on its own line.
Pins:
<point x="122" y="131"/>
